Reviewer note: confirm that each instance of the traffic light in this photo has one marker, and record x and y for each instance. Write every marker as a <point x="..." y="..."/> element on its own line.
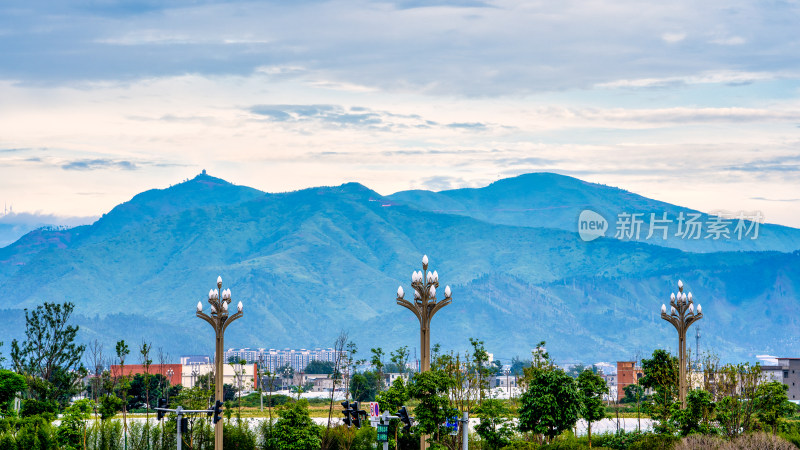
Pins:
<point x="162" y="403"/>
<point x="347" y="411"/>
<point x="217" y="412"/>
<point x="403" y="414"/>
<point x="357" y="413"/>
<point x="184" y="425"/>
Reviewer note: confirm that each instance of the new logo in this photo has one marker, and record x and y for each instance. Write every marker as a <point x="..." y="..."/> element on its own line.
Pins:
<point x="591" y="225"/>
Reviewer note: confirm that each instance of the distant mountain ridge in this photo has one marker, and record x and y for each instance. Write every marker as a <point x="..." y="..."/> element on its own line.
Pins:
<point x="310" y="263"/>
<point x="550" y="200"/>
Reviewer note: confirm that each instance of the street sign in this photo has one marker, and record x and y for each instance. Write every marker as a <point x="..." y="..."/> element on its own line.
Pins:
<point x="374" y="410"/>
<point x="383" y="433"/>
<point x="452" y="424"/>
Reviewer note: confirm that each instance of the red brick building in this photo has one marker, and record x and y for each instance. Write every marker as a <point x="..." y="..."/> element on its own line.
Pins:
<point x="171" y="371"/>
<point x="627" y="373"/>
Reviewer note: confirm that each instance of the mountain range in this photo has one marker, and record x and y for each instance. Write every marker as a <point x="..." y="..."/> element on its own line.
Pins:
<point x="311" y="263"/>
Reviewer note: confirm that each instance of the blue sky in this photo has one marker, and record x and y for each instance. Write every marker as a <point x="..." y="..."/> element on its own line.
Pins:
<point x="694" y="103"/>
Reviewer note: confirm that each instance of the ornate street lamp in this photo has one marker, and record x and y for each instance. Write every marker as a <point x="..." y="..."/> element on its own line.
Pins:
<point x="682" y="315"/>
<point x="219" y="320"/>
<point x="424" y="307"/>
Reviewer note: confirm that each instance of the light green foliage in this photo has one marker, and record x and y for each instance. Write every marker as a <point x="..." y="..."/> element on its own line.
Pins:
<point x="661" y="375"/>
<point x="49" y="353"/>
<point x="391" y="400"/>
<point x="697" y="416"/>
<point x="634" y="393"/>
<point x="10" y="384"/>
<point x="591" y="388"/>
<point x="109" y="405"/>
<point x="772" y="403"/>
<point x="72" y="431"/>
<point x="551" y="403"/>
<point x="239" y="436"/>
<point x="735" y="387"/>
<point x="399" y="359"/>
<point x="480" y="362"/>
<point x="431" y="389"/>
<point x="294" y="429"/>
<point x="394" y="397"/>
<point x="495" y="428"/>
<point x="319" y="367"/>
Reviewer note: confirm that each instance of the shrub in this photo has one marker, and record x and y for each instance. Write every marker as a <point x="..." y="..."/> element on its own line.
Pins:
<point x="700" y="442"/>
<point x="238" y="436"/>
<point x="760" y="441"/>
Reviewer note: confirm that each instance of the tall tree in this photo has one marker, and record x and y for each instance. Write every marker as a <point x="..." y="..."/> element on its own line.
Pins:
<point x="95" y="364"/>
<point x="122" y="352"/>
<point x="660" y="373"/>
<point x="49" y="353"/>
<point x="592" y="387"/>
<point x="495" y="428"/>
<point x="377" y="364"/>
<point x="338" y="348"/>
<point x="10" y="384"/>
<point x="399" y="358"/>
<point x="144" y="358"/>
<point x="772" y="403"/>
<point x="480" y="362"/>
<point x="551" y="404"/>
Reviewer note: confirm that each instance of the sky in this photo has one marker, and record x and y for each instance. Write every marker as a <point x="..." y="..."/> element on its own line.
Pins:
<point x="692" y="103"/>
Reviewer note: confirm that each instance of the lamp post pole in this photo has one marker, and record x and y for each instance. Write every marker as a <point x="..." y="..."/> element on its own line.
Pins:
<point x="424" y="307"/>
<point x="682" y="315"/>
<point x="219" y="320"/>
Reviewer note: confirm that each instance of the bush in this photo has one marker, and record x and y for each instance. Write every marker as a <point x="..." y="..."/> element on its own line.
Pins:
<point x="521" y="445"/>
<point x="238" y="436"/>
<point x="700" y="442"/>
<point x="760" y="441"/>
<point x="294" y="429"/>
<point x="655" y="442"/>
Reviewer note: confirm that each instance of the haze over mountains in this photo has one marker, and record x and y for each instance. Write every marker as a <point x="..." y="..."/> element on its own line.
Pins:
<point x="310" y="263"/>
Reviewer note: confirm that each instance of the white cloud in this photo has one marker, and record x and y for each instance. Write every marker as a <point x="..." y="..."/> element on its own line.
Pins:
<point x="732" y="40"/>
<point x="673" y="37"/>
<point x="712" y="77"/>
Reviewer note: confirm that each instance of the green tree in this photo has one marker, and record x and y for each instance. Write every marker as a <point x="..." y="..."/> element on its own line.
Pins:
<point x="495" y="427"/>
<point x="49" y="353"/>
<point x="377" y="363"/>
<point x="696" y="417"/>
<point x="319" y="367"/>
<point x="431" y="389"/>
<point x="294" y="429"/>
<point x="363" y="386"/>
<point x="10" y="384"/>
<point x="481" y="367"/>
<point x="661" y="374"/>
<point x="399" y="360"/>
<point x="517" y="366"/>
<point x="391" y="400"/>
<point x="145" y="390"/>
<point x="144" y="355"/>
<point x="592" y="387"/>
<point x="734" y="389"/>
<point x="71" y="434"/>
<point x="633" y="393"/>
<point x="124" y="384"/>
<point x="551" y="404"/>
<point x="772" y="403"/>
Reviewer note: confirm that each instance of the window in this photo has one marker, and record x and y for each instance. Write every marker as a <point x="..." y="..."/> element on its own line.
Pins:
<point x="785" y="374"/>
